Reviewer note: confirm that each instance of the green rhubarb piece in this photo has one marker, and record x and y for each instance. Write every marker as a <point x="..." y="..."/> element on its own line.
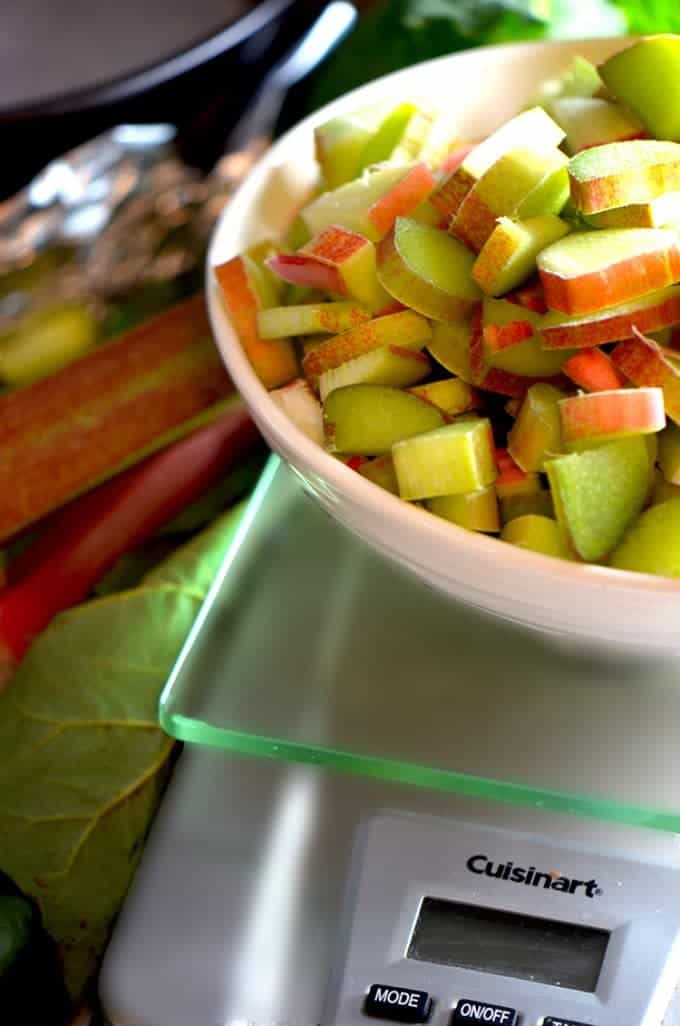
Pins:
<point x="44" y="342"/>
<point x="592" y="121"/>
<point x="341" y="143"/>
<point x="380" y="471"/>
<point x="449" y="460"/>
<point x="310" y="319"/>
<point x="451" y="395"/>
<point x="349" y="204"/>
<point x="524" y="129"/>
<point x="587" y="252"/>
<point x="527" y="358"/>
<point x="539" y="503"/>
<point x="508" y="256"/>
<point x="581" y="78"/>
<point x="388" y="366"/>
<point x="427" y="270"/>
<point x="549" y="194"/>
<point x="476" y="511"/>
<point x="367" y="420"/>
<point x="598" y="493"/>
<point x="652" y="544"/>
<point x="450" y="347"/>
<point x="669" y="453"/>
<point x="536" y="433"/>
<point x="658" y="213"/>
<point x="646" y="77"/>
<point x="387" y="136"/>
<point x="617" y="174"/>
<point x="537" y="533"/>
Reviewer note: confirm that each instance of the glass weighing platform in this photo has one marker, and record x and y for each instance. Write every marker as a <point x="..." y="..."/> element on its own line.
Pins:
<point x="277" y="891"/>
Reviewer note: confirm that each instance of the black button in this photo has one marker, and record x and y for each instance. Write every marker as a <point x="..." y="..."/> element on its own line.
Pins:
<point x="470" y="1011"/>
<point x="399" y="1003"/>
<point x="550" y="1020"/>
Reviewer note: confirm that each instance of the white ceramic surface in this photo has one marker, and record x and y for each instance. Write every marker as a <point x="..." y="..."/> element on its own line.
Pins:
<point x="582" y="604"/>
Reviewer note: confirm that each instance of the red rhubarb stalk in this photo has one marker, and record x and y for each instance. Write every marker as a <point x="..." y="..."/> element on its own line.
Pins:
<point x="83" y="540"/>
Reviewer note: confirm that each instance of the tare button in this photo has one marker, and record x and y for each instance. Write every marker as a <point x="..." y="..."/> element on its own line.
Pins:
<point x="399" y="1003"/>
<point x="550" y="1020"/>
<point x="467" y="1012"/>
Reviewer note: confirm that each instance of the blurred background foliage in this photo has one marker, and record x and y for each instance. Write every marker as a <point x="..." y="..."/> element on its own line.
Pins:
<point x="394" y="33"/>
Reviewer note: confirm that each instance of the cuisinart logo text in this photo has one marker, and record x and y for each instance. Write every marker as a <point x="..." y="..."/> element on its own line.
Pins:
<point x="532" y="877"/>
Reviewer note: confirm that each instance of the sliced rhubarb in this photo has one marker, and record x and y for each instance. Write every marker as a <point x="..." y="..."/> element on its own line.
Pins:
<point x="658" y="213"/>
<point x="402" y="329"/>
<point x="343" y="259"/>
<point x="510" y="341"/>
<point x="647" y="365"/>
<point x="450" y="460"/>
<point x="536" y="434"/>
<point x="427" y="270"/>
<point x="594" y="417"/>
<point x="508" y="256"/>
<point x="646" y="77"/>
<point x="592" y="370"/>
<point x="245" y="292"/>
<point x="369" y="419"/>
<point x="310" y="319"/>
<point x="621" y="173"/>
<point x="599" y="493"/>
<point x="523" y="183"/>
<point x="391" y="365"/>
<point x="588" y="271"/>
<point x="591" y="121"/>
<point x="298" y="402"/>
<point x="62" y="435"/>
<point x="652" y="544"/>
<point x="656" y="310"/>
<point x="450" y="346"/>
<point x="451" y="395"/>
<point x="476" y="511"/>
<point x="537" y="534"/>
<point x="528" y="128"/>
<point x="370" y="204"/>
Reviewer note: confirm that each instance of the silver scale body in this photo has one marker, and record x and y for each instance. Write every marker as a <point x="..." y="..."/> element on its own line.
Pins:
<point x="275" y="894"/>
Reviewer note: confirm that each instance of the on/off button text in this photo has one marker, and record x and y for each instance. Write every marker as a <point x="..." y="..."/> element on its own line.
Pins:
<point x="467" y="1012"/>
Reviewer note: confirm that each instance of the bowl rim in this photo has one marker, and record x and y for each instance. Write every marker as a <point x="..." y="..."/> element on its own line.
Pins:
<point x="296" y="446"/>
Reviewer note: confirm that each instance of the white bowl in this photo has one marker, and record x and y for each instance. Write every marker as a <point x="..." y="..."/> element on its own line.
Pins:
<point x="584" y="604"/>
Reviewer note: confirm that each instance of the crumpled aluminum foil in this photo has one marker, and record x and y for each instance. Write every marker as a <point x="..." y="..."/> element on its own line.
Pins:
<point x="113" y="214"/>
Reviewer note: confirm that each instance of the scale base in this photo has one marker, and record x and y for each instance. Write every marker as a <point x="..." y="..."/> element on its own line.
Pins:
<point x="234" y="914"/>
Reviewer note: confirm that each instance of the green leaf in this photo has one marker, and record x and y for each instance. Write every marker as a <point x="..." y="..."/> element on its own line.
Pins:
<point x="83" y="759"/>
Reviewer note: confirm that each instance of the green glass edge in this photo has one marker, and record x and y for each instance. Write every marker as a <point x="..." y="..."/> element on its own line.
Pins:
<point x="184" y="728"/>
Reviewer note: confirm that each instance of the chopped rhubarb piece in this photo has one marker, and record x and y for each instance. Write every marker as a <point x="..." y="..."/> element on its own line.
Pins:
<point x="614" y="324"/>
<point x="403" y="329"/>
<point x="530" y="296"/>
<point x="595" y="417"/>
<point x="244" y="290"/>
<point x="527" y="128"/>
<point x="645" y="364"/>
<point x="621" y="173"/>
<point x="585" y="272"/>
<point x="592" y="370"/>
<point x="523" y="183"/>
<point x="428" y="270"/>
<point x="476" y="511"/>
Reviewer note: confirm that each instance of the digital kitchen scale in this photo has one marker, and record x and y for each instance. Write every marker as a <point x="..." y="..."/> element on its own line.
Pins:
<point x="504" y="849"/>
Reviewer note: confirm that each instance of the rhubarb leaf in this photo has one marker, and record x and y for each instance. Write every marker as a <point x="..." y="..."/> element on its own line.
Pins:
<point x="83" y="759"/>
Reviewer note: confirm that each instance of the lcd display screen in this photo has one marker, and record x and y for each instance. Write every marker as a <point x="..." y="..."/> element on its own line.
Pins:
<point x="508" y="944"/>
